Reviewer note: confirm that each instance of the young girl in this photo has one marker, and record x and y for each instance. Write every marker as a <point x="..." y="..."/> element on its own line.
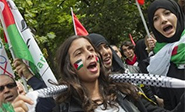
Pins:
<point x="167" y="23"/>
<point x="89" y="87"/>
<point x="111" y="60"/>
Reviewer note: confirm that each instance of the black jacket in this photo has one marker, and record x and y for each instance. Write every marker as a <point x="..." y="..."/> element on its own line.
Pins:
<point x="172" y="96"/>
<point x="142" y="105"/>
<point x="44" y="104"/>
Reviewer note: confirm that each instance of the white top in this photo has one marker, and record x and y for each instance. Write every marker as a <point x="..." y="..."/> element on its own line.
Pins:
<point x="109" y="109"/>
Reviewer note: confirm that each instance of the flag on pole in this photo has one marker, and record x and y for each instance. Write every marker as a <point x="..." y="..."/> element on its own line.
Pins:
<point x="78" y="27"/>
<point x="132" y="39"/>
<point x="5" y="67"/>
<point x="15" y="41"/>
<point x="141" y="2"/>
<point x="142" y="17"/>
<point x="41" y="63"/>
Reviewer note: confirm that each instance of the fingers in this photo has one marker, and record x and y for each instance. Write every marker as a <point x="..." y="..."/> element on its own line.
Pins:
<point x="22" y="69"/>
<point x="17" y="63"/>
<point x="23" y="98"/>
<point x="20" y="106"/>
<point x="19" y="109"/>
<point x="151" y="42"/>
<point x="19" y="103"/>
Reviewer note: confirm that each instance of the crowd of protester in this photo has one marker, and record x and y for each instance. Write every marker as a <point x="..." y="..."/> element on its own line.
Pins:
<point x="85" y="63"/>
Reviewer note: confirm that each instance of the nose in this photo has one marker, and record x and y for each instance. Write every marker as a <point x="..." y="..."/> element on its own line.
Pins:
<point x="163" y="19"/>
<point x="127" y="50"/>
<point x="90" y="55"/>
<point x="6" y="90"/>
<point x="103" y="51"/>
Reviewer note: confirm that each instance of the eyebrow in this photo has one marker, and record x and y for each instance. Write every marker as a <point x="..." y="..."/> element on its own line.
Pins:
<point x="79" y="49"/>
<point x="163" y="11"/>
<point x="89" y="46"/>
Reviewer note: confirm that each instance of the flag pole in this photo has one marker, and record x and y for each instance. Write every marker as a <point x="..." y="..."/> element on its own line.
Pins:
<point x="142" y="17"/>
<point x="73" y="21"/>
<point x="13" y="56"/>
<point x="10" y="48"/>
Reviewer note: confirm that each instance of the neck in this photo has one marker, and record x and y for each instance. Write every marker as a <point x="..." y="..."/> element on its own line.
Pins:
<point x="93" y="89"/>
<point x="108" y="70"/>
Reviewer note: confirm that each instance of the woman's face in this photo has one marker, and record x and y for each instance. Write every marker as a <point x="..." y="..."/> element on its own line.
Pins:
<point x="165" y="22"/>
<point x="128" y="52"/>
<point x="106" y="53"/>
<point x="84" y="60"/>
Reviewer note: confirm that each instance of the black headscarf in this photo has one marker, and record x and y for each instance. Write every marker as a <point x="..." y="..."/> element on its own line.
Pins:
<point x="175" y="9"/>
<point x="117" y="64"/>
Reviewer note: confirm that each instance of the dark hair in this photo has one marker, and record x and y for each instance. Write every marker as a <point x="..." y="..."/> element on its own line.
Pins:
<point x="126" y="43"/>
<point x="75" y="88"/>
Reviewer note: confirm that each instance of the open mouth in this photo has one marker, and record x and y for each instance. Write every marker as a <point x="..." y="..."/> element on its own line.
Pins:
<point x="167" y="28"/>
<point x="106" y="60"/>
<point x="9" y="98"/>
<point x="92" y="67"/>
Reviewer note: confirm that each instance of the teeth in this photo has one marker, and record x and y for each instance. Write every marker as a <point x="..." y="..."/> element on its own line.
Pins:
<point x="107" y="59"/>
<point x="92" y="64"/>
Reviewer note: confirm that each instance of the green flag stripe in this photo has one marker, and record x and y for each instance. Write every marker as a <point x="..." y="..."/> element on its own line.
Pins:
<point x="19" y="47"/>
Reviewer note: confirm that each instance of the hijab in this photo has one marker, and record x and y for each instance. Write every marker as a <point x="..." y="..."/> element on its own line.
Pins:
<point x="172" y="6"/>
<point x="97" y="40"/>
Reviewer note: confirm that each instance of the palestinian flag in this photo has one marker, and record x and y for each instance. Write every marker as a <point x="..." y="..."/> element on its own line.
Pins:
<point x="41" y="63"/>
<point x="78" y="64"/>
<point x="18" y="47"/>
<point x="97" y="59"/>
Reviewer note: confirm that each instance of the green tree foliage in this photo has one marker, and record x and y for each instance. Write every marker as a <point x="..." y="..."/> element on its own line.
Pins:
<point x="51" y="21"/>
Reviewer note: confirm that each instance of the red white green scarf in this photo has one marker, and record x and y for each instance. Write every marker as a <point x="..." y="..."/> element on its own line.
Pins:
<point x="178" y="52"/>
<point x="166" y="52"/>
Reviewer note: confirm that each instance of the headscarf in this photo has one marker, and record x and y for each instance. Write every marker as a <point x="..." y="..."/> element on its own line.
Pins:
<point x="172" y="6"/>
<point x="97" y="40"/>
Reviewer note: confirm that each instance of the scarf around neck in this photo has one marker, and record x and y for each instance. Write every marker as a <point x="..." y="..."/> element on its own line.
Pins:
<point x="131" y="62"/>
<point x="166" y="52"/>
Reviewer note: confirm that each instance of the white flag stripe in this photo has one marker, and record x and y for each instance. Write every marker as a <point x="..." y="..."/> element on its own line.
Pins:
<point x="40" y="61"/>
<point x="5" y="67"/>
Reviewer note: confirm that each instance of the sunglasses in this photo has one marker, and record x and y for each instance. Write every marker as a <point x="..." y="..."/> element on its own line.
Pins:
<point x="9" y="86"/>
